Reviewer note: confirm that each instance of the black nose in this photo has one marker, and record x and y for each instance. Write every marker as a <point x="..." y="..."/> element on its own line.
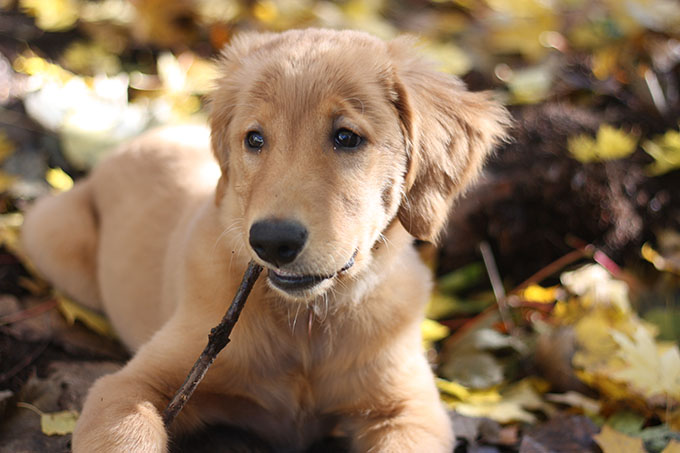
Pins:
<point x="277" y="241"/>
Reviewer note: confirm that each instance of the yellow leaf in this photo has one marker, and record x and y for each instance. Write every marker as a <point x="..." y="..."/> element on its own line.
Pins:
<point x="53" y="423"/>
<point x="52" y="15"/>
<point x="453" y="389"/>
<point x="511" y="405"/>
<point x="659" y="261"/>
<point x="451" y="58"/>
<point x="6" y="146"/>
<point x="665" y="150"/>
<point x="440" y="305"/>
<point x="58" y="423"/>
<point x="433" y="331"/>
<point x="612" y="441"/>
<point x="58" y="179"/>
<point x="265" y="11"/>
<point x="90" y="58"/>
<point x="672" y="447"/>
<point x="520" y="31"/>
<point x="6" y="181"/>
<point x="650" y="369"/>
<point x="539" y="294"/>
<point x="531" y="85"/>
<point x="73" y="312"/>
<point x="605" y="62"/>
<point x="583" y="148"/>
<point x="609" y="144"/>
<point x="614" y="143"/>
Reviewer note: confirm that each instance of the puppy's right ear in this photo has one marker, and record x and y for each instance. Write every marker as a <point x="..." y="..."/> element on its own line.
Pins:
<point x="224" y="97"/>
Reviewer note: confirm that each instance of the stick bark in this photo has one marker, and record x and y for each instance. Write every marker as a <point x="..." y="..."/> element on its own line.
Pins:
<point x="217" y="340"/>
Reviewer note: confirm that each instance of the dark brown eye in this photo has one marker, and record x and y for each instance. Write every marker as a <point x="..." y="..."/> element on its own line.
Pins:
<point x="254" y="140"/>
<point x="346" y="139"/>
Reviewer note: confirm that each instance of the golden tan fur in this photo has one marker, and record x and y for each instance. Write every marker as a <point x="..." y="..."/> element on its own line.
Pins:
<point x="152" y="238"/>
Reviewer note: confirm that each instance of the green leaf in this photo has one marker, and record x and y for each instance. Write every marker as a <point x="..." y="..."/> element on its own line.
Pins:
<point x="627" y="422"/>
<point x="660" y="438"/>
<point x="461" y="279"/>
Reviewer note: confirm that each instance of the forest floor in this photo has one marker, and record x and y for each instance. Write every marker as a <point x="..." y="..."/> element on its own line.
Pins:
<point x="555" y="322"/>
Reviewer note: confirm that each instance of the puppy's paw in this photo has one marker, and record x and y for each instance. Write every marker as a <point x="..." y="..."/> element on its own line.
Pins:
<point x="118" y="417"/>
<point x="412" y="431"/>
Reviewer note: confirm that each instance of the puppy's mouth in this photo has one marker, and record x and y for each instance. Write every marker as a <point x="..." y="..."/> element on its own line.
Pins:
<point x="294" y="283"/>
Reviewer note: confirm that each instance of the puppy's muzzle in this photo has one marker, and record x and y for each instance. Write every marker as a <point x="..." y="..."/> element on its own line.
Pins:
<point x="278" y="242"/>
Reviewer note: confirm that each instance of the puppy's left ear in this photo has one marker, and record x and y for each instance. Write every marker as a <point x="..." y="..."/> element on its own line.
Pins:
<point x="449" y="132"/>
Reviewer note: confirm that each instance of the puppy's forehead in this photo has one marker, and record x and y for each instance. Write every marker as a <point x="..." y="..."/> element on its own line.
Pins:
<point x="325" y="74"/>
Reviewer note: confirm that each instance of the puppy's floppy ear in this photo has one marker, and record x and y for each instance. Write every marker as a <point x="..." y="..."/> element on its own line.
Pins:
<point x="224" y="96"/>
<point x="449" y="132"/>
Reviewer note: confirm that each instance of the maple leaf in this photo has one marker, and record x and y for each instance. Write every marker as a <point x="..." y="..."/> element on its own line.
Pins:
<point x="651" y="370"/>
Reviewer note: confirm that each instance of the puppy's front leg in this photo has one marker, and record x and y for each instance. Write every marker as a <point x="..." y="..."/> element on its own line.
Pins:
<point x="121" y="415"/>
<point x="122" y="412"/>
<point x="414" y="429"/>
<point x="405" y="416"/>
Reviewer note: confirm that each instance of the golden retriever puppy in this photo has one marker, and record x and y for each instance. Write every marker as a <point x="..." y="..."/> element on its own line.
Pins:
<point x="334" y="150"/>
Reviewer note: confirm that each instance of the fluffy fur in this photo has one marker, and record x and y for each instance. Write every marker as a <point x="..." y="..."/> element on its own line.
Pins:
<point x="157" y="237"/>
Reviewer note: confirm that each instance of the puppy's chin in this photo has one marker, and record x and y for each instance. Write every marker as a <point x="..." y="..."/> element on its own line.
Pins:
<point x="302" y="295"/>
<point x="306" y="287"/>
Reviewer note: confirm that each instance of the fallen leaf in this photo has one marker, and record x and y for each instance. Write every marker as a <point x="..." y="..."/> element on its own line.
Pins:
<point x="657" y="438"/>
<point x="577" y="400"/>
<point x="672" y="447"/>
<point x="7" y="181"/>
<point x="73" y="312"/>
<point x="433" y="331"/>
<point x="58" y="423"/>
<point x="650" y="369"/>
<point x="626" y="422"/>
<point x="612" y="441"/>
<point x="90" y="58"/>
<point x="609" y="144"/>
<point x="560" y="434"/>
<point x="513" y="404"/>
<point x="531" y="85"/>
<point x="6" y="146"/>
<point x="538" y="294"/>
<point x="461" y="278"/>
<point x="54" y="423"/>
<point x="475" y="370"/>
<point x="52" y="15"/>
<point x="451" y="58"/>
<point x="659" y="261"/>
<point x="665" y="150"/>
<point x="58" y="179"/>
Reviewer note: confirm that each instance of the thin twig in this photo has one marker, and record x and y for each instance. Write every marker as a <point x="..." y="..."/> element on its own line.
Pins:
<point x="26" y="361"/>
<point x="497" y="285"/>
<point x="551" y="268"/>
<point x="28" y="313"/>
<point x="217" y="340"/>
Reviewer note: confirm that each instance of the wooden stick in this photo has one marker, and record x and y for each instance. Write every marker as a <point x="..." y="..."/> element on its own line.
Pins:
<point x="217" y="340"/>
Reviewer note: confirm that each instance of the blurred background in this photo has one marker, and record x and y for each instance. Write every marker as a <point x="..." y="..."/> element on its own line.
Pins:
<point x="555" y="321"/>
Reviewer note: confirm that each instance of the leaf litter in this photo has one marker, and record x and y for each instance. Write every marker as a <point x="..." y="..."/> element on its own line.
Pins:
<point x="124" y="67"/>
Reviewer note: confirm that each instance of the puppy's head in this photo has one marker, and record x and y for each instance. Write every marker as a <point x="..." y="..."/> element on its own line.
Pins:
<point x="327" y="137"/>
